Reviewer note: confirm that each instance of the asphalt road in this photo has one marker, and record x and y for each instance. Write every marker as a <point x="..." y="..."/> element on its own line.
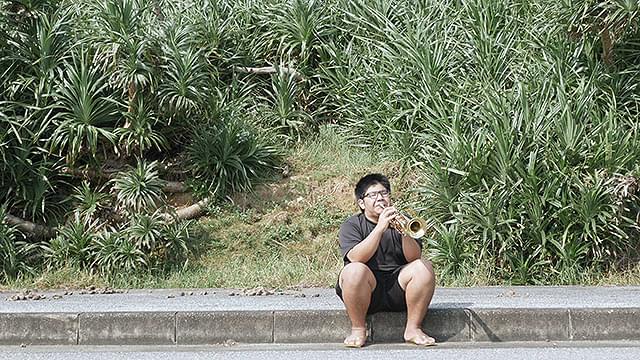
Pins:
<point x="450" y="351"/>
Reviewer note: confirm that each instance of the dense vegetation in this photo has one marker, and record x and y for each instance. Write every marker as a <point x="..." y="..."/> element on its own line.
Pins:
<point x="512" y="124"/>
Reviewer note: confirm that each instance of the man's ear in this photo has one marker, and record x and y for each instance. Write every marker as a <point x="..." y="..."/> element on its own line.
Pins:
<point x="361" y="204"/>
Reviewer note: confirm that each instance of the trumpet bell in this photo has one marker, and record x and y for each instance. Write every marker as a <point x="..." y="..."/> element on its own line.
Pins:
<point x="411" y="226"/>
<point x="415" y="228"/>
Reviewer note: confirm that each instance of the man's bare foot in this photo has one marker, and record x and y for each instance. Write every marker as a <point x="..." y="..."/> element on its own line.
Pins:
<point x="418" y="337"/>
<point x="357" y="338"/>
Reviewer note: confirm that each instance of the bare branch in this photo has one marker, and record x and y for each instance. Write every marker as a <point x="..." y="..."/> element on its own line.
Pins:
<point x="169" y="186"/>
<point x="269" y="70"/>
<point x="607" y="46"/>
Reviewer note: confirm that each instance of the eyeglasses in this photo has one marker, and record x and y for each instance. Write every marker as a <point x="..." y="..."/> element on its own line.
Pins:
<point x="374" y="194"/>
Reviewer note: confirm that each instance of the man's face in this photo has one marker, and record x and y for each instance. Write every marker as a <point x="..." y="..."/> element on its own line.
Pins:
<point x="375" y="199"/>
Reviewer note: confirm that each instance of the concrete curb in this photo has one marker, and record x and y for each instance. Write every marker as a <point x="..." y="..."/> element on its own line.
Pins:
<point x="314" y="326"/>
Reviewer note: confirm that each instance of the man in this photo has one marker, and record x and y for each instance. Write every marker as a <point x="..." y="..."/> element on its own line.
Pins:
<point x="383" y="270"/>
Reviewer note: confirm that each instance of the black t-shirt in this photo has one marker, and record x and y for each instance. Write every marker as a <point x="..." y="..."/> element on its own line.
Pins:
<point x="388" y="256"/>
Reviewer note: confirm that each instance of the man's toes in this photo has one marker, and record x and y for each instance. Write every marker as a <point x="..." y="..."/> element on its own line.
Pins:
<point x="421" y="340"/>
<point x="355" y="341"/>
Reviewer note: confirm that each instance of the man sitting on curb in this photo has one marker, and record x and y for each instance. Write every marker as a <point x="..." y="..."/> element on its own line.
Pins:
<point x="383" y="270"/>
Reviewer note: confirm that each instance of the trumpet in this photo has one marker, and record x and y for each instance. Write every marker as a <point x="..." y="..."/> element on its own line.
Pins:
<point x="413" y="227"/>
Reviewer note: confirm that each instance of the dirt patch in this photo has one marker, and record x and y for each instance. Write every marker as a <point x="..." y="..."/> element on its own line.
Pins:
<point x="266" y="196"/>
<point x="336" y="192"/>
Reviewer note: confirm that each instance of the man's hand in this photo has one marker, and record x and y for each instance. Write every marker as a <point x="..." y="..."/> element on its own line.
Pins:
<point x="388" y="214"/>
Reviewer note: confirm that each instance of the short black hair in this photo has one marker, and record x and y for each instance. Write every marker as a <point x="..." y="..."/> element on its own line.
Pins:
<point x="368" y="180"/>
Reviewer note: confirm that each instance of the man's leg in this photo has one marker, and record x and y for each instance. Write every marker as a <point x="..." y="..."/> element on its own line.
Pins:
<point x="357" y="283"/>
<point x="418" y="281"/>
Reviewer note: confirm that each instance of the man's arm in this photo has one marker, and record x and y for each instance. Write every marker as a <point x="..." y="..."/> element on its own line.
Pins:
<point x="364" y="250"/>
<point x="410" y="248"/>
<point x="367" y="247"/>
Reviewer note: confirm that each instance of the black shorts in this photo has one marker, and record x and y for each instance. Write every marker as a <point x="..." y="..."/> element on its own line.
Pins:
<point x="387" y="296"/>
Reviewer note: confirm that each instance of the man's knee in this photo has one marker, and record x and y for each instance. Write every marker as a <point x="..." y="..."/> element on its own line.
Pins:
<point x="356" y="273"/>
<point x="425" y="267"/>
<point x="419" y="270"/>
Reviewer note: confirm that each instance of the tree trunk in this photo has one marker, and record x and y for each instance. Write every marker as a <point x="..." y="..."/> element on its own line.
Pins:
<point x="132" y="98"/>
<point x="190" y="212"/>
<point x="29" y="227"/>
<point x="174" y="187"/>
